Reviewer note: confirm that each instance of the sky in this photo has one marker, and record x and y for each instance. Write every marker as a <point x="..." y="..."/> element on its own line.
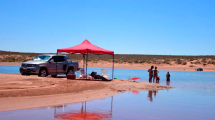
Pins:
<point x="161" y="27"/>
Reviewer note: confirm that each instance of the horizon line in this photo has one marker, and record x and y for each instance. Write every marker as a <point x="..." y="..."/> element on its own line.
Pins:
<point x="115" y="54"/>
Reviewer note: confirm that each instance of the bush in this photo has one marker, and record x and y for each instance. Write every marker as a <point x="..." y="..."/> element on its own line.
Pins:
<point x="166" y="61"/>
<point x="136" y="61"/>
<point x="24" y="60"/>
<point x="191" y="62"/>
<point x="178" y="61"/>
<point x="191" y="59"/>
<point x="130" y="62"/>
<point x="3" y="60"/>
<point x="191" y="66"/>
<point x="142" y="61"/>
<point x="197" y="62"/>
<point x="211" y="62"/>
<point x="11" y="60"/>
<point x="184" y="63"/>
<point x="204" y="60"/>
<point x="204" y="64"/>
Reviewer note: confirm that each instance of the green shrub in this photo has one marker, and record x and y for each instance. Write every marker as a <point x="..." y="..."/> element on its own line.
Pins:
<point x="3" y="60"/>
<point x="191" y="66"/>
<point x="12" y="60"/>
<point x="142" y="61"/>
<point x="197" y="62"/>
<point x="191" y="62"/>
<point x="184" y="63"/>
<point x="204" y="64"/>
<point x="24" y="60"/>
<point x="211" y="62"/>
<point x="178" y="61"/>
<point x="191" y="59"/>
<point x="136" y="61"/>
<point x="166" y="61"/>
<point x="204" y="60"/>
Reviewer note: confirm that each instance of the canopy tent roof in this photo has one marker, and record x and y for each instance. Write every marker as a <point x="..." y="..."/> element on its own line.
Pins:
<point x="86" y="47"/>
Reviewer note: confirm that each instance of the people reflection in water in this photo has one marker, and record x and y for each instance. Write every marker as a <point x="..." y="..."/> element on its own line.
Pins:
<point x="167" y="83"/>
<point x="150" y="96"/>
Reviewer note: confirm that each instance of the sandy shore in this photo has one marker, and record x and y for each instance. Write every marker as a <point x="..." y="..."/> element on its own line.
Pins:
<point x="207" y="68"/>
<point x="23" y="92"/>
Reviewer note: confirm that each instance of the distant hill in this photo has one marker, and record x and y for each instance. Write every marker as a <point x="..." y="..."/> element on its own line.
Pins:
<point x="8" y="56"/>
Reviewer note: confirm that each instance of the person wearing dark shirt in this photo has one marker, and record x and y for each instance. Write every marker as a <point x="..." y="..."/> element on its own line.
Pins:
<point x="93" y="74"/>
<point x="167" y="76"/>
<point x="155" y="75"/>
<point x="150" y="74"/>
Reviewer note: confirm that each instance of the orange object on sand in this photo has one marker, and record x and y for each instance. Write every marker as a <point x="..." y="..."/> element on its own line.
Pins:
<point x="136" y="78"/>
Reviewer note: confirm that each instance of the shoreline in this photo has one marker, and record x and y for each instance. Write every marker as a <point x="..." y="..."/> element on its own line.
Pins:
<point x="208" y="68"/>
<point x="26" y="92"/>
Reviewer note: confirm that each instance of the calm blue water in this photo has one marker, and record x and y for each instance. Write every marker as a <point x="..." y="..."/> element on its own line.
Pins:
<point x="192" y="99"/>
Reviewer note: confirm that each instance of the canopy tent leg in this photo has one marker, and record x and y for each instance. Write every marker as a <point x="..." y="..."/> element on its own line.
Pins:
<point x="86" y="64"/>
<point x="56" y="65"/>
<point x="85" y="109"/>
<point x="111" y="104"/>
<point x="83" y="60"/>
<point x="113" y="67"/>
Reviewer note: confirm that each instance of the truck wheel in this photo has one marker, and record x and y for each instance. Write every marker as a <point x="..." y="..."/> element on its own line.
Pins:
<point x="43" y="72"/>
<point x="54" y="75"/>
<point x="70" y="71"/>
<point x="23" y="74"/>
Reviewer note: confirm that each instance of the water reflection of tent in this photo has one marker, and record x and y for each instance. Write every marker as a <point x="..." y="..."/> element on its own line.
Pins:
<point x="135" y="92"/>
<point x="84" y="114"/>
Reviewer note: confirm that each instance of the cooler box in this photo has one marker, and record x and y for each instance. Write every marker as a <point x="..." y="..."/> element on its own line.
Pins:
<point x="71" y="76"/>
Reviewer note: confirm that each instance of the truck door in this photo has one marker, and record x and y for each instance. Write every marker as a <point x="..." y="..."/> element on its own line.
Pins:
<point x="60" y="64"/>
<point x="52" y="65"/>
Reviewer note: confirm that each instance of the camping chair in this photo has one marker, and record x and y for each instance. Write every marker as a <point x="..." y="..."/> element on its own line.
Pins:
<point x="104" y="73"/>
<point x="83" y="74"/>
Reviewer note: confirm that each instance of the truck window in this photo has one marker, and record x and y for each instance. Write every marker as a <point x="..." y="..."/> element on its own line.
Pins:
<point x="58" y="58"/>
<point x="69" y="60"/>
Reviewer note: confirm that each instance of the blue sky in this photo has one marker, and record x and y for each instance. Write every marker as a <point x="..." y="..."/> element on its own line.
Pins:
<point x="165" y="27"/>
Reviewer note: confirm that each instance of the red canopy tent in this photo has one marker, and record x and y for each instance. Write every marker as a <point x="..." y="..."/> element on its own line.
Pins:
<point x="86" y="47"/>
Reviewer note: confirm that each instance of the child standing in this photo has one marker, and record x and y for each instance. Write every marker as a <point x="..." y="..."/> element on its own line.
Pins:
<point x="155" y="75"/>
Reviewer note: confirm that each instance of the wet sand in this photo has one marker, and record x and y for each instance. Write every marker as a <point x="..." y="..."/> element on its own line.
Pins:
<point x="207" y="68"/>
<point x="24" y="92"/>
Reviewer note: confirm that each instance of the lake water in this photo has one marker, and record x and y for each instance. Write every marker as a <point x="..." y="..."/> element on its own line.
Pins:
<point x="192" y="99"/>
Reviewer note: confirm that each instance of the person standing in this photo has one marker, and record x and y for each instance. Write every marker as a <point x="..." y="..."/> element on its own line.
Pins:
<point x="150" y="73"/>
<point x="155" y="75"/>
<point x="167" y="76"/>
